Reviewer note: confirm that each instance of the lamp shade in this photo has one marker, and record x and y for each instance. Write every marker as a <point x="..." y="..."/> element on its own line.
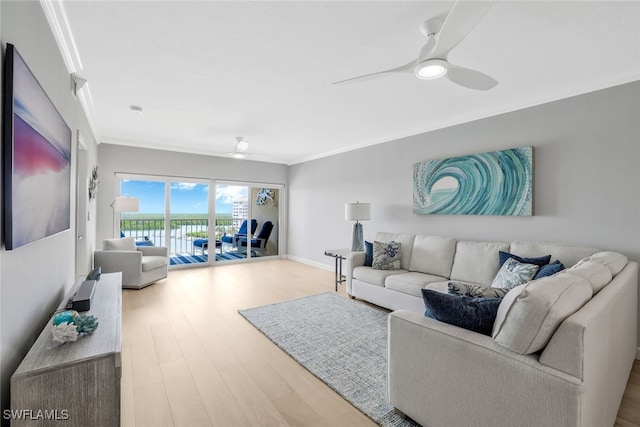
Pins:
<point x="357" y="211"/>
<point x="126" y="204"/>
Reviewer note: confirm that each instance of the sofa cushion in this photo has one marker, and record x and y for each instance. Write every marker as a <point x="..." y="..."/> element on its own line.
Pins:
<point x="549" y="270"/>
<point x="476" y="262"/>
<point x="433" y="255"/>
<point x="124" y="244"/>
<point x="475" y="314"/>
<point x="406" y="245"/>
<point x="598" y="275"/>
<point x="514" y="273"/>
<point x="152" y="262"/>
<point x="475" y="291"/>
<point x="386" y="256"/>
<point x="439" y="286"/>
<point x="411" y="283"/>
<point x="567" y="254"/>
<point x="373" y="276"/>
<point x="529" y="314"/>
<point x="614" y="261"/>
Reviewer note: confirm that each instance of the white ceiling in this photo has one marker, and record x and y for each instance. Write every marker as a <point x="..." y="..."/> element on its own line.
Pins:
<point x="205" y="72"/>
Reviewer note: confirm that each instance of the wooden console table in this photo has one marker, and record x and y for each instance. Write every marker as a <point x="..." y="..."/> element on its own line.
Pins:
<point x="76" y="383"/>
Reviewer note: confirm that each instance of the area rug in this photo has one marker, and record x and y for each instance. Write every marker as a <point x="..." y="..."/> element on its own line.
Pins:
<point x="342" y="342"/>
<point x="187" y="258"/>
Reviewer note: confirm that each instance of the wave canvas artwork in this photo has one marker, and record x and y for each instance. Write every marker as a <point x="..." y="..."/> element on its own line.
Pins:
<point x="492" y="183"/>
<point x="41" y="162"/>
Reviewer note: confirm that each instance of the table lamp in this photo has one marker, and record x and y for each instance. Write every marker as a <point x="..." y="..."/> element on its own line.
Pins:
<point x="124" y="204"/>
<point x="357" y="212"/>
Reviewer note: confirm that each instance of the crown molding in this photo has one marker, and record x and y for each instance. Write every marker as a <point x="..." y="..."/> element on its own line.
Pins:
<point x="59" y="24"/>
<point x="57" y="18"/>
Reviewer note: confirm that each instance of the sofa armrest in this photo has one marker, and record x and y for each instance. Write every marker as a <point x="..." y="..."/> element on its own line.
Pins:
<point x="436" y="369"/>
<point x="154" y="250"/>
<point x="353" y="260"/>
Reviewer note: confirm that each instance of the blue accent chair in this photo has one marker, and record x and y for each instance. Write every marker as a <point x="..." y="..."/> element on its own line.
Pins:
<point x="258" y="243"/>
<point x="242" y="232"/>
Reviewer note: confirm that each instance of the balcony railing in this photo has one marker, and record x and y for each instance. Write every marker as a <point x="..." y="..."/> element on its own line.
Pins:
<point x="183" y="230"/>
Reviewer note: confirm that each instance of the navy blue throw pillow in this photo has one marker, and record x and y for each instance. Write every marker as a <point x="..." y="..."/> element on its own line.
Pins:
<point x="539" y="261"/>
<point x="368" y="254"/>
<point x="475" y="314"/>
<point x="549" y="269"/>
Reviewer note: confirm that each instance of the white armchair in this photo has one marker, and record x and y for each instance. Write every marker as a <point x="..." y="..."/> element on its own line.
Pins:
<point x="140" y="265"/>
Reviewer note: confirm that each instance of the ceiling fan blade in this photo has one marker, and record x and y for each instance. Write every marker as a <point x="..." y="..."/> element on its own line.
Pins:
<point x="461" y="20"/>
<point x="427" y="48"/>
<point x="406" y="67"/>
<point x="469" y="78"/>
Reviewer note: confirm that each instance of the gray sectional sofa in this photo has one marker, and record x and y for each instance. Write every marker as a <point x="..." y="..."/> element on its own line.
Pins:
<point x="560" y="353"/>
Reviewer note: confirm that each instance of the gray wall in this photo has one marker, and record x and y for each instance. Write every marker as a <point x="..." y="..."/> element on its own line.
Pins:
<point x="120" y="159"/>
<point x="35" y="278"/>
<point x="586" y="180"/>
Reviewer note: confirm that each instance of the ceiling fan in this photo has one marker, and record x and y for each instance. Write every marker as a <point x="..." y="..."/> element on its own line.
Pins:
<point x="242" y="150"/>
<point x="442" y="36"/>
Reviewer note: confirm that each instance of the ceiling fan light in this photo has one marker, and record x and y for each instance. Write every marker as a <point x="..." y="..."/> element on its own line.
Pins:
<point x="431" y="69"/>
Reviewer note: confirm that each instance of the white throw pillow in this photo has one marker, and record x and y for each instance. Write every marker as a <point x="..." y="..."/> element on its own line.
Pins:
<point x="529" y="314"/>
<point x="514" y="273"/>
<point x="124" y="244"/>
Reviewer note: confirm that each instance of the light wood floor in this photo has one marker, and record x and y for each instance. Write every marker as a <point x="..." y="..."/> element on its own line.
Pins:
<point x="189" y="359"/>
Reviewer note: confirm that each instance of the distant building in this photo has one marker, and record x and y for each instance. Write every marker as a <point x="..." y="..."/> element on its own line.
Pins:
<point x="240" y="213"/>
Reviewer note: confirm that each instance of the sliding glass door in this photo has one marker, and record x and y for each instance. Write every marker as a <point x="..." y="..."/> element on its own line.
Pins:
<point x="189" y="225"/>
<point x="147" y="226"/>
<point x="247" y="221"/>
<point x="266" y="210"/>
<point x="177" y="213"/>
<point x="172" y="213"/>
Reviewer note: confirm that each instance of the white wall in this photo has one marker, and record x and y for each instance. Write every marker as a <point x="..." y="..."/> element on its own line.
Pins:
<point x="120" y="159"/>
<point x="35" y="278"/>
<point x="586" y="179"/>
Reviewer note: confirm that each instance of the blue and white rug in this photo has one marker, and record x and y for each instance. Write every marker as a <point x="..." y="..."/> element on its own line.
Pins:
<point x="187" y="258"/>
<point x="342" y="342"/>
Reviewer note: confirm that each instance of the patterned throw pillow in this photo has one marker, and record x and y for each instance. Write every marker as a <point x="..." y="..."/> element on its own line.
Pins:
<point x="475" y="291"/>
<point x="386" y="256"/>
<point x="514" y="273"/>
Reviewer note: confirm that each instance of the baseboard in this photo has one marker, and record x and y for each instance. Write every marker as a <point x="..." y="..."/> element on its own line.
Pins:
<point x="638" y="353"/>
<point x="311" y="263"/>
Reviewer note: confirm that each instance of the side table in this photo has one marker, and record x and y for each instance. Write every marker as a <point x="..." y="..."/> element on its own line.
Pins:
<point x="339" y="255"/>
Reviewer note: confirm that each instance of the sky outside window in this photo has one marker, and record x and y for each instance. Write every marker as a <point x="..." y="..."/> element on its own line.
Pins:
<point x="187" y="198"/>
